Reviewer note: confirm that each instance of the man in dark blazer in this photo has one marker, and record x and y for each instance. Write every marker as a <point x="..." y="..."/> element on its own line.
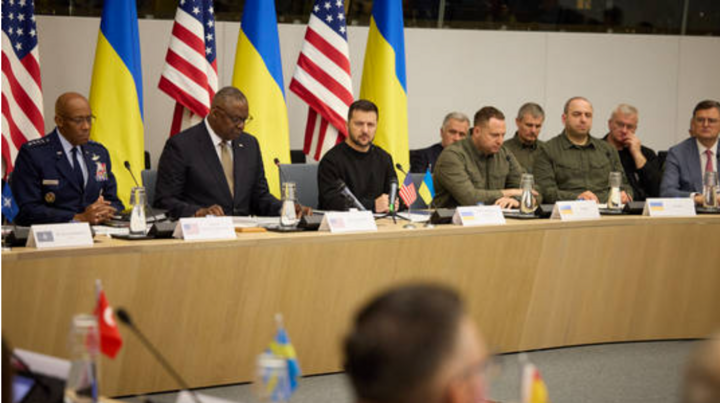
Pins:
<point x="214" y="167"/>
<point x="688" y="161"/>
<point x="454" y="128"/>
<point x="65" y="176"/>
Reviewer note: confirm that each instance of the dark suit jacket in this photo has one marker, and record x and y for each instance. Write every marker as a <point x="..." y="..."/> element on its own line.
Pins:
<point x="190" y="177"/>
<point x="422" y="158"/>
<point x="43" y="186"/>
<point x="683" y="173"/>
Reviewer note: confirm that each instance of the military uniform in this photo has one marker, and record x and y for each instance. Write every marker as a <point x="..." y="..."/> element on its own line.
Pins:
<point x="525" y="154"/>
<point x="43" y="184"/>
<point x="564" y="170"/>
<point x="464" y="176"/>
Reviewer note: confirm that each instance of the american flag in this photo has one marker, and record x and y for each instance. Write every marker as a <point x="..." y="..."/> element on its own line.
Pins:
<point x="322" y="77"/>
<point x="190" y="72"/>
<point x="407" y="191"/>
<point x="22" y="102"/>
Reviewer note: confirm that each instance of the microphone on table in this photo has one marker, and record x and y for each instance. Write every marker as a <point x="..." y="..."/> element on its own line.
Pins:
<point x="349" y="195"/>
<point x="400" y="168"/>
<point x="277" y="164"/>
<point x="127" y="166"/>
<point x="393" y="197"/>
<point x="127" y="321"/>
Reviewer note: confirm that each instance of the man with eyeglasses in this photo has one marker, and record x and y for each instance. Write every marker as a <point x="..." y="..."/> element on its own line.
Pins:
<point x="687" y="162"/>
<point x="641" y="164"/>
<point x="65" y="176"/>
<point x="215" y="167"/>
<point x="416" y="343"/>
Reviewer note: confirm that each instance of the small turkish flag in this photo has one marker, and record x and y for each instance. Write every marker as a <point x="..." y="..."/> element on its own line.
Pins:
<point x="110" y="339"/>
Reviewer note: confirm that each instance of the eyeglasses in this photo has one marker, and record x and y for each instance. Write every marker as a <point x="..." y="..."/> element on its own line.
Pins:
<point x="710" y="121"/>
<point x="78" y="120"/>
<point x="628" y="126"/>
<point x="236" y="120"/>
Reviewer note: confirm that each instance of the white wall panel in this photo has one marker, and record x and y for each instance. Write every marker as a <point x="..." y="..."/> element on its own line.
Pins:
<point x="664" y="76"/>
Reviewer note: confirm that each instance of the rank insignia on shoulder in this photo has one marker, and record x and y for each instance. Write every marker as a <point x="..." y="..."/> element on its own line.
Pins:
<point x="95" y="157"/>
<point x="37" y="142"/>
<point x="100" y="172"/>
<point x="50" y="197"/>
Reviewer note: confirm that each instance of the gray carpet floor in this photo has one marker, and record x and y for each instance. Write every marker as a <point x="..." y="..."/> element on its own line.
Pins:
<point x="648" y="372"/>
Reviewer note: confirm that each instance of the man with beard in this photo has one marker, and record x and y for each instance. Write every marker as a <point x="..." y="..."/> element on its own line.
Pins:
<point x="575" y="165"/>
<point x="478" y="169"/>
<point x="365" y="168"/>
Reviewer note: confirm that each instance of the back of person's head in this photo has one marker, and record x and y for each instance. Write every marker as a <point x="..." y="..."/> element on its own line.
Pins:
<point x="702" y="376"/>
<point x="400" y="340"/>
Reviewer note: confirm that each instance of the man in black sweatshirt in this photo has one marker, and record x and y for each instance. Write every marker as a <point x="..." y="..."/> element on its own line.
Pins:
<point x="365" y="168"/>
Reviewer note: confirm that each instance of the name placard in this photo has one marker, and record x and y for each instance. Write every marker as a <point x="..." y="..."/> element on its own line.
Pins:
<point x="348" y="221"/>
<point x="471" y="216"/>
<point x="577" y="210"/>
<point x="67" y="235"/>
<point x="669" y="207"/>
<point x="205" y="228"/>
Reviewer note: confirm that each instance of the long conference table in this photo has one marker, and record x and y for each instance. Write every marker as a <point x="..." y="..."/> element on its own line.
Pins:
<point x="209" y="306"/>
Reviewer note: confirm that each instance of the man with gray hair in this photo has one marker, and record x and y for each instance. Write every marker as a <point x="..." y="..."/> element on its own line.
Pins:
<point x="455" y="127"/>
<point x="525" y="143"/>
<point x="641" y="164"/>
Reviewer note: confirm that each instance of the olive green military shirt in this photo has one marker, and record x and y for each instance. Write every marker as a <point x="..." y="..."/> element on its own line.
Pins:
<point x="564" y="170"/>
<point x="525" y="154"/>
<point x="464" y="176"/>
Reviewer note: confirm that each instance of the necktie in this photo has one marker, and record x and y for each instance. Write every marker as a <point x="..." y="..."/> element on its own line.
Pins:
<point x="77" y="170"/>
<point x="227" y="165"/>
<point x="708" y="163"/>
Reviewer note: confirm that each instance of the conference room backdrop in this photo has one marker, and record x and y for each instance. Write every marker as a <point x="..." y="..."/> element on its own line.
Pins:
<point x="447" y="69"/>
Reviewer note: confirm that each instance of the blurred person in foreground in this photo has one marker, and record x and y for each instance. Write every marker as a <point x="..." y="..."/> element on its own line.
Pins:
<point x="416" y="343"/>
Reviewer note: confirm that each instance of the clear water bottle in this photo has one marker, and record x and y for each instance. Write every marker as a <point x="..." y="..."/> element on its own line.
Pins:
<point x="288" y="217"/>
<point x="710" y="190"/>
<point x="527" y="201"/>
<point x="138" y="223"/>
<point x="272" y="382"/>
<point x="84" y="345"/>
<point x="614" y="196"/>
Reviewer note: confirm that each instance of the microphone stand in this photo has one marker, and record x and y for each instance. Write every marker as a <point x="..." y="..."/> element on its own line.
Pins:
<point x="125" y="319"/>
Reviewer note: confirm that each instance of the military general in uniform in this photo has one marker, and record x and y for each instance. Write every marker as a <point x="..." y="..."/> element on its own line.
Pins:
<point x="64" y="176"/>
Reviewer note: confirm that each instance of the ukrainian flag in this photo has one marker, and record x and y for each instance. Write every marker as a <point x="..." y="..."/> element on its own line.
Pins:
<point x="258" y="74"/>
<point x="116" y="95"/>
<point x="427" y="189"/>
<point x="383" y="79"/>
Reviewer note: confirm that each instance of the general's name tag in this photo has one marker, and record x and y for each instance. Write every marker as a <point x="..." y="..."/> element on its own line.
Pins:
<point x="348" y="221"/>
<point x="205" y="228"/>
<point x="471" y="216"/>
<point x="669" y="207"/>
<point x="67" y="235"/>
<point x="577" y="210"/>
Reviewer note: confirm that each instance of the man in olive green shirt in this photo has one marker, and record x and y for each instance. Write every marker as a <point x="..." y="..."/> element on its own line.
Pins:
<point x="478" y="169"/>
<point x="574" y="165"/>
<point x="524" y="145"/>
